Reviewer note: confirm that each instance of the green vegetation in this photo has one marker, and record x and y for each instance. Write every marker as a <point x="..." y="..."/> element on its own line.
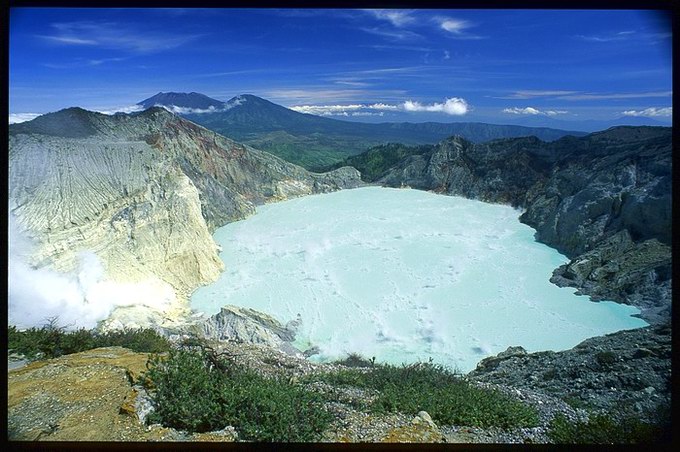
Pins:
<point x="577" y="403"/>
<point x="604" y="429"/>
<point x="375" y="162"/>
<point x="606" y="358"/>
<point x="196" y="392"/>
<point x="52" y="341"/>
<point x="446" y="396"/>
<point x="313" y="152"/>
<point x="356" y="360"/>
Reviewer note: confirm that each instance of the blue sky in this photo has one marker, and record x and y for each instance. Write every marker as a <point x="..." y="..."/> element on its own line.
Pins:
<point x="408" y="65"/>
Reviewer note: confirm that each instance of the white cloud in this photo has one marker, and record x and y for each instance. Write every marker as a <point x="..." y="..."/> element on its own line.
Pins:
<point x="187" y="111"/>
<point x="398" y="18"/>
<point x="367" y="113"/>
<point x="399" y="35"/>
<point x="530" y="94"/>
<point x="453" y="106"/>
<point x="604" y="38"/>
<point x="522" y="111"/>
<point x="455" y="26"/>
<point x="127" y="109"/>
<point x="313" y="94"/>
<point x="326" y="109"/>
<point x="113" y="35"/>
<point x="578" y="95"/>
<point x="173" y="108"/>
<point x="344" y="110"/>
<point x="15" y="118"/>
<point x="590" y="96"/>
<point x="381" y="106"/>
<point x="533" y="111"/>
<point x="650" y="112"/>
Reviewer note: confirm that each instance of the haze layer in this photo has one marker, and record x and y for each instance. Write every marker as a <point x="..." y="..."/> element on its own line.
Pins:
<point x="404" y="275"/>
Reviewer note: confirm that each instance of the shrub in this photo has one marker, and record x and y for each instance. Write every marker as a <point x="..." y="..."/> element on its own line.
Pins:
<point x="36" y="342"/>
<point x="77" y="341"/>
<point x="191" y="393"/>
<point x="549" y="374"/>
<point x="356" y="360"/>
<point x="51" y="341"/>
<point x="447" y="397"/>
<point x="138" y="340"/>
<point x="576" y="402"/>
<point x="603" y="429"/>
<point x="605" y="359"/>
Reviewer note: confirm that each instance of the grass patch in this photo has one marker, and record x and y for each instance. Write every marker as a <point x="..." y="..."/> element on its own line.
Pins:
<point x="190" y="392"/>
<point x="448" y="398"/>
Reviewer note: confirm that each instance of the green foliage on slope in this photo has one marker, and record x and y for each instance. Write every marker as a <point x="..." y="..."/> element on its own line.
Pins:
<point x="375" y="162"/>
<point x="193" y="392"/>
<point x="51" y="340"/>
<point x="445" y="395"/>
<point x="605" y="429"/>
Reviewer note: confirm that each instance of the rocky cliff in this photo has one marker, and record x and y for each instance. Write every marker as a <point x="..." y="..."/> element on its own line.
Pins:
<point x="143" y="192"/>
<point x="627" y="372"/>
<point x="603" y="200"/>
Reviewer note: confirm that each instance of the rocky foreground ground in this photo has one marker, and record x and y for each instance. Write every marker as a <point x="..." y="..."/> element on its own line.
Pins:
<point x="95" y="395"/>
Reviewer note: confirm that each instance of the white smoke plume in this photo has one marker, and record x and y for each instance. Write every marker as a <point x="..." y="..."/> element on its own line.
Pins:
<point x="78" y="300"/>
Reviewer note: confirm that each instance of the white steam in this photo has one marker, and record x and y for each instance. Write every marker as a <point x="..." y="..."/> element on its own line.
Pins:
<point x="77" y="299"/>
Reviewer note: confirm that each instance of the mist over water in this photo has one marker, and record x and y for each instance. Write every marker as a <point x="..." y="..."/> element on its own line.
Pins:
<point x="404" y="275"/>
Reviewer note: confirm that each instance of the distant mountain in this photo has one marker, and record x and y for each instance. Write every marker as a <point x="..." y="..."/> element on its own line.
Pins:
<point x="315" y="142"/>
<point x="591" y="125"/>
<point x="183" y="100"/>
<point x="375" y="163"/>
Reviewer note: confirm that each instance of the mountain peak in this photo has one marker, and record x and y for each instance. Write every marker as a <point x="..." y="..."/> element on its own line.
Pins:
<point x="182" y="100"/>
<point x="631" y="133"/>
<point x="73" y="122"/>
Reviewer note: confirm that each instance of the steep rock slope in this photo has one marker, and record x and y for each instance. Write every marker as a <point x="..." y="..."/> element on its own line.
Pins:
<point x="603" y="200"/>
<point x="143" y="192"/>
<point x="621" y="373"/>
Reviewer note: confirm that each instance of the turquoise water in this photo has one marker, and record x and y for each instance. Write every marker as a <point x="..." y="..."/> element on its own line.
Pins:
<point x="404" y="275"/>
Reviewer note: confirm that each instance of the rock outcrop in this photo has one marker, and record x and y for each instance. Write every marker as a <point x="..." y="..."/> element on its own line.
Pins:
<point x="244" y="325"/>
<point x="603" y="200"/>
<point x="623" y="373"/>
<point x="143" y="192"/>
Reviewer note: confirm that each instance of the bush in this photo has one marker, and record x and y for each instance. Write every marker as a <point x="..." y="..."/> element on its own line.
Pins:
<point x="191" y="393"/>
<point x="52" y="341"/>
<point x="138" y="340"/>
<point x="35" y="343"/>
<point x="605" y="359"/>
<point x="603" y="429"/>
<point x="447" y="397"/>
<point x="356" y="360"/>
<point x="549" y="374"/>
